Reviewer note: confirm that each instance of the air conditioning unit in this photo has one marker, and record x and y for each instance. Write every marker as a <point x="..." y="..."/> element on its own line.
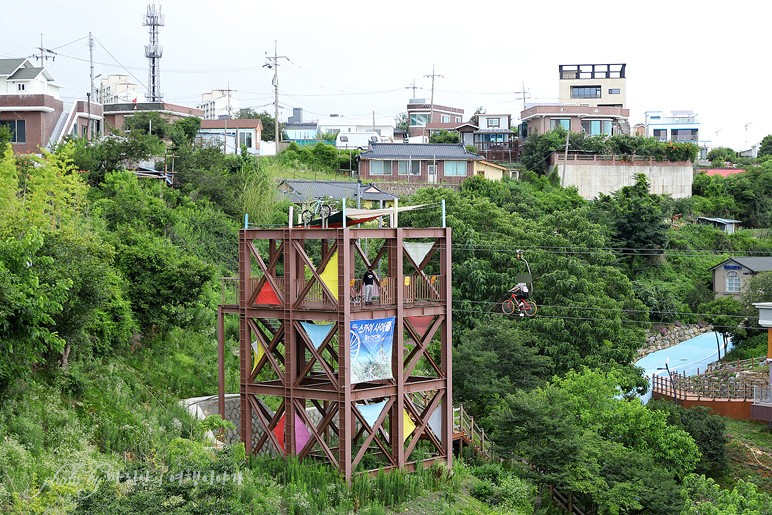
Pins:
<point x="432" y="169"/>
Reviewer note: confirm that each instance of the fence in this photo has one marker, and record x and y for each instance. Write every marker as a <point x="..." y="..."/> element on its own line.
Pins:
<point x="468" y="430"/>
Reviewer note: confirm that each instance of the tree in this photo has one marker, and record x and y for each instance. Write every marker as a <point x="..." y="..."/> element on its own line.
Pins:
<point x="722" y="155"/>
<point x="765" y="149"/>
<point x="579" y="433"/>
<point x="401" y="121"/>
<point x="445" y="136"/>
<point x="147" y="122"/>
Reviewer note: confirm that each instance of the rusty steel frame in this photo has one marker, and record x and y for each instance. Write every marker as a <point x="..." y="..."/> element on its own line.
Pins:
<point x="329" y="390"/>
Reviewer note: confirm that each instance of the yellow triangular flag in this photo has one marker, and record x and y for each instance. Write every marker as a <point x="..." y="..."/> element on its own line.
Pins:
<point x="408" y="424"/>
<point x="257" y="353"/>
<point x="330" y="275"/>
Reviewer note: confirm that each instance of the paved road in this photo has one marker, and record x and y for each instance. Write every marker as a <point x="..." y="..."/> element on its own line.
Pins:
<point x="685" y="358"/>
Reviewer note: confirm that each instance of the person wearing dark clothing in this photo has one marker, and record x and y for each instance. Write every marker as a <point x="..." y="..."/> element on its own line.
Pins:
<point x="368" y="285"/>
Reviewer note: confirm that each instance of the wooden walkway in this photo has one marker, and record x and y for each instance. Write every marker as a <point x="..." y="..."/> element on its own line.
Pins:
<point x="467" y="432"/>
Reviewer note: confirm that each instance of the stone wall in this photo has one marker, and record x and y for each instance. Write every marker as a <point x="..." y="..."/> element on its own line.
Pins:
<point x="662" y="336"/>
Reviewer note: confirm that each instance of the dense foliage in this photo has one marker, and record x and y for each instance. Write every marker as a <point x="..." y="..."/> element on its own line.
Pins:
<point x="109" y="285"/>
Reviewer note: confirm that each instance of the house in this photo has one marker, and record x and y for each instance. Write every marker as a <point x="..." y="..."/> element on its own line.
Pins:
<point x="334" y="124"/>
<point x="425" y="119"/>
<point x="730" y="276"/>
<point x="725" y="224"/>
<point x="233" y="134"/>
<point x="116" y="114"/>
<point x="592" y="100"/>
<point x="301" y="192"/>
<point x="494" y="139"/>
<point x="118" y="89"/>
<point x="679" y="126"/>
<point x="416" y="162"/>
<point x="31" y="108"/>
<point x="723" y="172"/>
<point x="218" y="104"/>
<point x="491" y="171"/>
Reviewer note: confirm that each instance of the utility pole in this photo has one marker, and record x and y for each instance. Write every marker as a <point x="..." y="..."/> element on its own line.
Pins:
<point x="431" y="105"/>
<point x="413" y="87"/>
<point x="565" y="160"/>
<point x="45" y="53"/>
<point x="746" y="135"/>
<point x="91" y="77"/>
<point x="273" y="62"/>
<point x="522" y="95"/>
<point x="227" y="117"/>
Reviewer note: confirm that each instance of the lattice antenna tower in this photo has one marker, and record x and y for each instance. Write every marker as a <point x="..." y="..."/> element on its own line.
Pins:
<point x="154" y="19"/>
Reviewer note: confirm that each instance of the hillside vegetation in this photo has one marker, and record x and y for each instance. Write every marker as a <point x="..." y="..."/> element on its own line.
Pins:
<point x="108" y="292"/>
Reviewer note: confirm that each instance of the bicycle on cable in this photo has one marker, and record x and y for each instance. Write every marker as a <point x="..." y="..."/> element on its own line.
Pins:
<point x="317" y="208"/>
<point x="519" y="294"/>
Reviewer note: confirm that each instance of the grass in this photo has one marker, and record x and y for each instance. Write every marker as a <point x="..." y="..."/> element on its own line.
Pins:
<point x="750" y="454"/>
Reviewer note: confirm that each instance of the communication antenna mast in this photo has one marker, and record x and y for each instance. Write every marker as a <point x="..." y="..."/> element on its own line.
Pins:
<point x="153" y="52"/>
<point x="522" y="95"/>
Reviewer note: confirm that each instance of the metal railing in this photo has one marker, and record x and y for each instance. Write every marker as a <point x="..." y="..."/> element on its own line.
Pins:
<point x="762" y="394"/>
<point x="464" y="423"/>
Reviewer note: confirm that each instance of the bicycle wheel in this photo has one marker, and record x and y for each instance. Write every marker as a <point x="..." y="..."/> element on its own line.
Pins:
<point x="508" y="306"/>
<point x="307" y="216"/>
<point x="529" y="308"/>
<point x="325" y="211"/>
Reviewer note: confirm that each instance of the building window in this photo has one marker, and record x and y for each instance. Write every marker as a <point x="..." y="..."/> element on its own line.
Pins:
<point x="684" y="135"/>
<point x="455" y="168"/>
<point x="419" y="120"/>
<point x="458" y="119"/>
<point x="409" y="167"/>
<point x="445" y="118"/>
<point x="245" y="139"/>
<point x="660" y="134"/>
<point x="614" y="91"/>
<point x="21" y="86"/>
<point x="563" y="123"/>
<point x="378" y="167"/>
<point x="493" y="122"/>
<point x="597" y="127"/>
<point x="732" y="282"/>
<point x="585" y="92"/>
<point x="18" y="130"/>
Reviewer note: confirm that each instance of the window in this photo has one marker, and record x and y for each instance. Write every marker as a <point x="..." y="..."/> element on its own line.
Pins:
<point x="378" y="167"/>
<point x="21" y="86"/>
<point x="458" y="119"/>
<point x="418" y="120"/>
<point x="614" y="91"/>
<point x="585" y="92"/>
<point x="684" y="135"/>
<point x="494" y="122"/>
<point x="409" y="167"/>
<point x="597" y="127"/>
<point x="245" y="139"/>
<point x="445" y="118"/>
<point x="18" y="130"/>
<point x="732" y="282"/>
<point x="563" y="123"/>
<point x="660" y="134"/>
<point x="455" y="168"/>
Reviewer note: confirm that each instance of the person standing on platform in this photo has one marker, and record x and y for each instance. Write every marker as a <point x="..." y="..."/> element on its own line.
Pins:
<point x="368" y="285"/>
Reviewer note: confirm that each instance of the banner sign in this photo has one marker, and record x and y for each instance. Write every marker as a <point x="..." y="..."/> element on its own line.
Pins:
<point x="370" y="345"/>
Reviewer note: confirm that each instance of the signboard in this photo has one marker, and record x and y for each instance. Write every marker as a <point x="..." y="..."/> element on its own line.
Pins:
<point x="370" y="349"/>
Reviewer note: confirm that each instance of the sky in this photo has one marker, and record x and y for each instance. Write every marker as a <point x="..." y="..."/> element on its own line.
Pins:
<point x="362" y="59"/>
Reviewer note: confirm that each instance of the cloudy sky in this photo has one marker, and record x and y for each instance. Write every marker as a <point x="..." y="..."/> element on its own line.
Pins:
<point x="360" y="58"/>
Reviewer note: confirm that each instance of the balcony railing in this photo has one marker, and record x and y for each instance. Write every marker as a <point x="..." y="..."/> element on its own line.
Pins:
<point x="417" y="289"/>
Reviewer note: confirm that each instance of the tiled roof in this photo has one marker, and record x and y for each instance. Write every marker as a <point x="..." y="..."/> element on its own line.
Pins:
<point x="300" y="191"/>
<point x="26" y="73"/>
<point x="8" y="66"/>
<point x="723" y="172"/>
<point x="754" y="264"/>
<point x="418" y="151"/>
